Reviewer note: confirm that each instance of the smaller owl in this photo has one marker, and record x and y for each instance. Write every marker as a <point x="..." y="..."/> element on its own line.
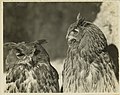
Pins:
<point x="28" y="69"/>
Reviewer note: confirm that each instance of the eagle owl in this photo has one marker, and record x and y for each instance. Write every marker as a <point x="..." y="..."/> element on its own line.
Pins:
<point x="28" y="69"/>
<point x="88" y="66"/>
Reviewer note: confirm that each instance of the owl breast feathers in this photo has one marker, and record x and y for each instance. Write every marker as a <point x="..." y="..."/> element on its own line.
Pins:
<point x="28" y="69"/>
<point x="88" y="66"/>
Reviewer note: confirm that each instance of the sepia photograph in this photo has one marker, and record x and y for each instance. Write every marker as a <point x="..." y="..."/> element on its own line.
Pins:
<point x="61" y="47"/>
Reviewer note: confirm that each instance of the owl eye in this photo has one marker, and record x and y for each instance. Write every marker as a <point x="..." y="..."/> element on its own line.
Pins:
<point x="19" y="53"/>
<point x="76" y="30"/>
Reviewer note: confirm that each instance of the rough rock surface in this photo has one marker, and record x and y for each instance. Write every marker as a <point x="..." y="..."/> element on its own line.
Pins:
<point x="107" y="20"/>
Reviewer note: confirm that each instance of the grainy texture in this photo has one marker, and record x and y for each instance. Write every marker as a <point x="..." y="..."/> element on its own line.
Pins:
<point x="88" y="66"/>
<point x="108" y="21"/>
<point x="28" y="69"/>
<point x="46" y="20"/>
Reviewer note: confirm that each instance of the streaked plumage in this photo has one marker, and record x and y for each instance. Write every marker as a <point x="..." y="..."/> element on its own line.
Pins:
<point x="29" y="69"/>
<point x="88" y="66"/>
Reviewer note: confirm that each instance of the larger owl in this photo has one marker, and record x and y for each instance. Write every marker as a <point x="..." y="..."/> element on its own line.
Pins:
<point x="28" y="69"/>
<point x="88" y="66"/>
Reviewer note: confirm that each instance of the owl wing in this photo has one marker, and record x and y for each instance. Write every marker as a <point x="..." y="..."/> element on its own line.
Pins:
<point x="102" y="70"/>
<point x="47" y="77"/>
<point x="55" y="77"/>
<point x="114" y="54"/>
<point x="26" y="78"/>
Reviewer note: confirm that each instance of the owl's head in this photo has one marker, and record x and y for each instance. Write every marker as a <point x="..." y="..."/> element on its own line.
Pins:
<point x="75" y="31"/>
<point x="22" y="52"/>
<point x="83" y="34"/>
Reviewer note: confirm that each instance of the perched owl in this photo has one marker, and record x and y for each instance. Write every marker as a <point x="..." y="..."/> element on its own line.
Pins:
<point x="28" y="69"/>
<point x="88" y="66"/>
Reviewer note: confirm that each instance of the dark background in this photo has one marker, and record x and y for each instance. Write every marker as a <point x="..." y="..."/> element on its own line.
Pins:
<point x="50" y="21"/>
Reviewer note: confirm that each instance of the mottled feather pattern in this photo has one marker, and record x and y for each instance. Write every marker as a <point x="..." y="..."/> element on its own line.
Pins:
<point x="98" y="76"/>
<point x="28" y="70"/>
<point x="88" y="66"/>
<point x="25" y="78"/>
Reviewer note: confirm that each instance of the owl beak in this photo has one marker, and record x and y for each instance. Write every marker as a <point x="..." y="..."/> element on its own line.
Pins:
<point x="71" y="39"/>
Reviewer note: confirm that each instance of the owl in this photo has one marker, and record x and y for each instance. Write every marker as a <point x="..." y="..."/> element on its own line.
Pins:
<point x="28" y="69"/>
<point x="88" y="67"/>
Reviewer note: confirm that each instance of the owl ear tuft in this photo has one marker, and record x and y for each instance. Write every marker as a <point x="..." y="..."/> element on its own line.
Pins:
<point x="78" y="16"/>
<point x="80" y="19"/>
<point x="10" y="45"/>
<point x="43" y="41"/>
